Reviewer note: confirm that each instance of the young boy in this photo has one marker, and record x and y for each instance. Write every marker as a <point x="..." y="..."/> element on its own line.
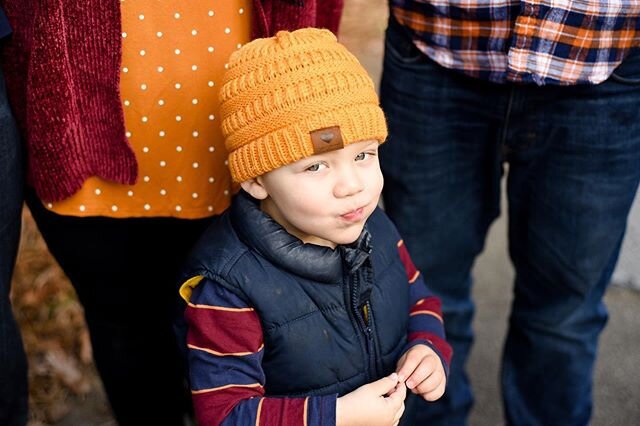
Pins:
<point x="303" y="305"/>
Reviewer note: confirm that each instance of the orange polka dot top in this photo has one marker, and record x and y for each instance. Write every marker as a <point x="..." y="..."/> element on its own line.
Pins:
<point x="173" y="57"/>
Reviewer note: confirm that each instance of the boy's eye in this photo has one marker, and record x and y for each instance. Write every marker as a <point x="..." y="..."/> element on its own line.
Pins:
<point x="363" y="156"/>
<point x="314" y="167"/>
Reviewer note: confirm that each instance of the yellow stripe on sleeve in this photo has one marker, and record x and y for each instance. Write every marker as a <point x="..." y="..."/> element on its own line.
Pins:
<point x="433" y="314"/>
<point x="220" y="308"/>
<point x="252" y="385"/>
<point x="211" y="351"/>
<point x="259" y="411"/>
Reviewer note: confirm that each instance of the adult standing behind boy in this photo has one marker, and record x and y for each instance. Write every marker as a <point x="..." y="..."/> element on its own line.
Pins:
<point x="117" y="102"/>
<point x="552" y="88"/>
<point x="13" y="362"/>
<point x="303" y="305"/>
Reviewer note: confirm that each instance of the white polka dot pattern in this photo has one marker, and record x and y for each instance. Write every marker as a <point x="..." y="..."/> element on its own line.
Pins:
<point x="173" y="56"/>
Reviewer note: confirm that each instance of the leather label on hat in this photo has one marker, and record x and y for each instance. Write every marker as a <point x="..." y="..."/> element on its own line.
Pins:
<point x="327" y="139"/>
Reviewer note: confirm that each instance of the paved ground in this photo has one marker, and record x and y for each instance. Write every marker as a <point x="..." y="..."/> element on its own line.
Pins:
<point x="617" y="377"/>
<point x="627" y="272"/>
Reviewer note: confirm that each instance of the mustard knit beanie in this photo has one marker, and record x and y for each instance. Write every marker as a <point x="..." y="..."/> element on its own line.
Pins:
<point x="291" y="96"/>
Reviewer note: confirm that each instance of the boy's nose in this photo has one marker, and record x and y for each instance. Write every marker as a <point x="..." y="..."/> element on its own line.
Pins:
<point x="349" y="183"/>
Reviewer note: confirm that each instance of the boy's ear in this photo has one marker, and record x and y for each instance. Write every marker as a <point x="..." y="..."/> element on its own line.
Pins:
<point x="255" y="188"/>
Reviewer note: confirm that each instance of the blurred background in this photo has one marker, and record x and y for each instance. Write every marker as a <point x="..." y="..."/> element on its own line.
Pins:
<point x="65" y="390"/>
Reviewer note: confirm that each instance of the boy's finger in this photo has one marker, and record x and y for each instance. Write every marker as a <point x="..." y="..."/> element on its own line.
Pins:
<point x="436" y="393"/>
<point x="430" y="383"/>
<point x="385" y="385"/>
<point x="410" y="363"/>
<point x="400" y="365"/>
<point x="402" y="389"/>
<point x="399" y="395"/>
<point x="397" y="388"/>
<point x="420" y="373"/>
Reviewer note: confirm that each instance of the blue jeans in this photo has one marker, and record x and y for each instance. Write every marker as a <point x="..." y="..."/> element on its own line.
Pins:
<point x="13" y="362"/>
<point x="573" y="157"/>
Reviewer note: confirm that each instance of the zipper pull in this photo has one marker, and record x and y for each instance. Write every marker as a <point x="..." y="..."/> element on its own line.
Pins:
<point x="364" y="308"/>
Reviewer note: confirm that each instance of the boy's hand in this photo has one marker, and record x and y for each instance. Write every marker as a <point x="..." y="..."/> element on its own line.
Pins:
<point x="422" y="371"/>
<point x="380" y="403"/>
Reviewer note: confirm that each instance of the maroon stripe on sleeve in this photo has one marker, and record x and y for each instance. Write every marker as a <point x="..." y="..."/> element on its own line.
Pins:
<point x="431" y="304"/>
<point x="283" y="412"/>
<point x="224" y="331"/>
<point x="213" y="407"/>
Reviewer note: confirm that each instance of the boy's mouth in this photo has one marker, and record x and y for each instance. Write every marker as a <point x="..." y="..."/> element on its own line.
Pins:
<point x="354" y="215"/>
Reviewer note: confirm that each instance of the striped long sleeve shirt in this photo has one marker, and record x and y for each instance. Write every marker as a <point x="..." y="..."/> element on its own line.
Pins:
<point x="559" y="42"/>
<point x="225" y="345"/>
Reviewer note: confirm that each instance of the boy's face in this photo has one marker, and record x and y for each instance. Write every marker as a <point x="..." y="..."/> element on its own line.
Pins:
<point x="324" y="199"/>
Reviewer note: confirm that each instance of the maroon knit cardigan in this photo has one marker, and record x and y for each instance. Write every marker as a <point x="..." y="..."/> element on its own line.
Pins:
<point x="62" y="67"/>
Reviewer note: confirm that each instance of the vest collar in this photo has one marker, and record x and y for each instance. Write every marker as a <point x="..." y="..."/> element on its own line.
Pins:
<point x="260" y="232"/>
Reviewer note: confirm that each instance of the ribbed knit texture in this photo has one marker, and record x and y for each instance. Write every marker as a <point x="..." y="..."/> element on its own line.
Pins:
<point x="62" y="67"/>
<point x="279" y="90"/>
<point x="70" y="108"/>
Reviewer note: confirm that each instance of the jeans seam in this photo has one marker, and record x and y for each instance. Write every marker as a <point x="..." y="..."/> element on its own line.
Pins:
<point x="505" y="126"/>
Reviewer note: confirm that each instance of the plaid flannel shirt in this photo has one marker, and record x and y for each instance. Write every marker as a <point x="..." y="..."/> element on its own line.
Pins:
<point x="560" y="42"/>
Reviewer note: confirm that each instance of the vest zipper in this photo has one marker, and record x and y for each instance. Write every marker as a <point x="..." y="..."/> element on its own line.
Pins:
<point x="364" y="326"/>
<point x="371" y="341"/>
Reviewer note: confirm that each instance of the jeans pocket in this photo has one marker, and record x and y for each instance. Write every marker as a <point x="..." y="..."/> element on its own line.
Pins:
<point x="400" y="47"/>
<point x="628" y="72"/>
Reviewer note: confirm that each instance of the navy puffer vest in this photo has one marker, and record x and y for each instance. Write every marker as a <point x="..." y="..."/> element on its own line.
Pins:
<point x="332" y="320"/>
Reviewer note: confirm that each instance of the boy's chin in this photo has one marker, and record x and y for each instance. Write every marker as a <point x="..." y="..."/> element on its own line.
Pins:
<point x="350" y="238"/>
